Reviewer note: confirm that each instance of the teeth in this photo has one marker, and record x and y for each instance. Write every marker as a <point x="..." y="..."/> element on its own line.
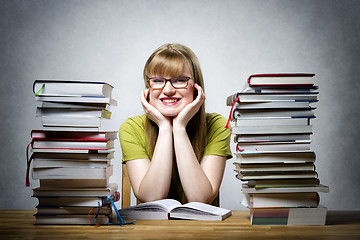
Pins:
<point x="169" y="100"/>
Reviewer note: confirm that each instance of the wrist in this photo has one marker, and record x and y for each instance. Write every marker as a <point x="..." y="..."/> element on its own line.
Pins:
<point x="177" y="128"/>
<point x="165" y="126"/>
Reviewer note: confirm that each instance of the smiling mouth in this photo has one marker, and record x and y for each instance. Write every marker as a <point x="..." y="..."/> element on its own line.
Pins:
<point x="170" y="100"/>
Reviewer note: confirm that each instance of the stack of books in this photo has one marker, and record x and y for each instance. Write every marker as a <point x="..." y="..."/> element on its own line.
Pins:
<point x="271" y="126"/>
<point x="71" y="155"/>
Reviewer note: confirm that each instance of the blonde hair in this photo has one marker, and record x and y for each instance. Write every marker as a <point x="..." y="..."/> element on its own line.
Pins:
<point x="169" y="59"/>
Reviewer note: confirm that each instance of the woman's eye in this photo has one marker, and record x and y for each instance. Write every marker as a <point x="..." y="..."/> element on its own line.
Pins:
<point x="158" y="80"/>
<point x="181" y="80"/>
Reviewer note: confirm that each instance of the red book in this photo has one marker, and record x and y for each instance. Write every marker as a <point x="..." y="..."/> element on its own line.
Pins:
<point x="281" y="79"/>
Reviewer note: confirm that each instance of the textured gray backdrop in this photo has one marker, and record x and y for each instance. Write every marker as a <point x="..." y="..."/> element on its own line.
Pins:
<point x="111" y="40"/>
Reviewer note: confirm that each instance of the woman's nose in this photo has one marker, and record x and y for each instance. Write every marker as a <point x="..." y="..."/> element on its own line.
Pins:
<point x="169" y="89"/>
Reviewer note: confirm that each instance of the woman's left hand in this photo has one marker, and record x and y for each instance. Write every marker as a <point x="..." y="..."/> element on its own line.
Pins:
<point x="182" y="119"/>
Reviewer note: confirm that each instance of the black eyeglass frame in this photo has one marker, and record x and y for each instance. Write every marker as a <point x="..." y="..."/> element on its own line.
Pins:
<point x="170" y="80"/>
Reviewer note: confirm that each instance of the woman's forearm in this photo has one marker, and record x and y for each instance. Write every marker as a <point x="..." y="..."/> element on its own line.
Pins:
<point x="197" y="186"/>
<point x="156" y="182"/>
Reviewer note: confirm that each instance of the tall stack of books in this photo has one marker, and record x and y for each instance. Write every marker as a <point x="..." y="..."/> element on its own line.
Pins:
<point x="71" y="155"/>
<point x="271" y="126"/>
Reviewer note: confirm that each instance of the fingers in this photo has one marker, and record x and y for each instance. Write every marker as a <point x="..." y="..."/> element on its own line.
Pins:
<point x="201" y="95"/>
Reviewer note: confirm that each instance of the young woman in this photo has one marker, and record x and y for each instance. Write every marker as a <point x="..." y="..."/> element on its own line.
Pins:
<point x="175" y="150"/>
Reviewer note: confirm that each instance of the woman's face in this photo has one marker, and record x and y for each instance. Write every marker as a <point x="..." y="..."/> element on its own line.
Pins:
<point x="169" y="100"/>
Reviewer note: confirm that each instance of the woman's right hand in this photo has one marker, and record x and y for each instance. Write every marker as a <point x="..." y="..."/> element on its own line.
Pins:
<point x="151" y="112"/>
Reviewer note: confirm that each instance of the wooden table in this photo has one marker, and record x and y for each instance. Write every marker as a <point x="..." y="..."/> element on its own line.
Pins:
<point x="18" y="224"/>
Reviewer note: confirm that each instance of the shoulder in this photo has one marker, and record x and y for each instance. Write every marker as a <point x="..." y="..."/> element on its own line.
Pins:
<point x="215" y="119"/>
<point x="133" y="126"/>
<point x="134" y="122"/>
<point x="215" y="124"/>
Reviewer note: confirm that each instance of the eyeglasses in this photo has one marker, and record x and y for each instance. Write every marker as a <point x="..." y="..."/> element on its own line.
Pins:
<point x="176" y="82"/>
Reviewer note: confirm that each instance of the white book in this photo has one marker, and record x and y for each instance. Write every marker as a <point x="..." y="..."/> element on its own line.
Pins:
<point x="70" y="220"/>
<point x="273" y="105"/>
<point x="271" y="137"/>
<point x="43" y="210"/>
<point x="67" y="144"/>
<point x="75" y="183"/>
<point x="75" y="192"/>
<point x="263" y="97"/>
<point x="70" y="121"/>
<point x="71" y="201"/>
<point x="72" y="112"/>
<point x="71" y="105"/>
<point x="273" y="113"/>
<point x="54" y="163"/>
<point x="72" y="173"/>
<point x="272" y="129"/>
<point x="78" y="99"/>
<point x="60" y="87"/>
<point x="318" y="188"/>
<point x="286" y="167"/>
<point x="72" y="156"/>
<point x="283" y="157"/>
<point x="243" y="122"/>
<point x="170" y="208"/>
<point x="268" y="200"/>
<point x="273" y="147"/>
<point x="288" y="216"/>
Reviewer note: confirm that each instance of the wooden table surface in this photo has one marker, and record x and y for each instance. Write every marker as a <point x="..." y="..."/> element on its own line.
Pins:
<point x="18" y="224"/>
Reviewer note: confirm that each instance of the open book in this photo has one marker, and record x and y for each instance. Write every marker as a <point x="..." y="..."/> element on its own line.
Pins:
<point x="170" y="208"/>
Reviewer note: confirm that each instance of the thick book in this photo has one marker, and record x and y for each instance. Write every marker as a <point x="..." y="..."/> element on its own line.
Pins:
<point x="73" y="112"/>
<point x="282" y="189"/>
<point x="283" y="157"/>
<point x="72" y="173"/>
<point x="273" y="105"/>
<point x="77" y="99"/>
<point x="272" y="129"/>
<point x="288" y="216"/>
<point x="58" y="210"/>
<point x="276" y="175"/>
<point x="170" y="208"/>
<point x="65" y="121"/>
<point x="74" y="106"/>
<point x="271" y="200"/>
<point x="271" y="137"/>
<point x="71" y="219"/>
<point x="74" y="192"/>
<point x="281" y="89"/>
<point x="283" y="183"/>
<point x="72" y="201"/>
<point x="75" y="183"/>
<point x="273" y="167"/>
<point x="267" y="97"/>
<point x="281" y="79"/>
<point x="273" y="113"/>
<point x="55" y="163"/>
<point x="80" y="135"/>
<point x="272" y="147"/>
<point x="254" y="122"/>
<point x="71" y="144"/>
<point x="59" y="87"/>
<point x="53" y="159"/>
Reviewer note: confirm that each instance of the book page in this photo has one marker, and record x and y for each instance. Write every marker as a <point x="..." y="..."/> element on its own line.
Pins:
<point x="163" y="205"/>
<point x="206" y="208"/>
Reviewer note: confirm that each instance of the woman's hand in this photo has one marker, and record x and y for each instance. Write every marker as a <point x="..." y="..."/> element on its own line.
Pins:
<point x="151" y="112"/>
<point x="182" y="119"/>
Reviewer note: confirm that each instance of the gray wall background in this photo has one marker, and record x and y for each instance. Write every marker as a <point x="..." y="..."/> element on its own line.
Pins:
<point x="111" y="40"/>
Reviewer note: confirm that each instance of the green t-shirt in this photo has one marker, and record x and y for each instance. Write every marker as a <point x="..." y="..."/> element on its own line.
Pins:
<point x="134" y="146"/>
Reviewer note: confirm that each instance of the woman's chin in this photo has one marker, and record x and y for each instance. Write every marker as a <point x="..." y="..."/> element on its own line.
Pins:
<point x="170" y="113"/>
